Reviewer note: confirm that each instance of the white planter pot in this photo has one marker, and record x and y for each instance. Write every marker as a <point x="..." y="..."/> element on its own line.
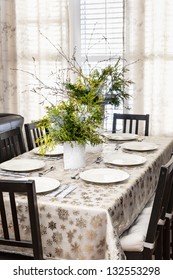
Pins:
<point x="74" y="156"/>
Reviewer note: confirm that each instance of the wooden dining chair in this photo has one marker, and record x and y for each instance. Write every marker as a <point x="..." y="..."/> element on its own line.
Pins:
<point x="131" y="123"/>
<point x="33" y="133"/>
<point x="11" y="189"/>
<point x="11" y="144"/>
<point x="168" y="230"/>
<point x="144" y="239"/>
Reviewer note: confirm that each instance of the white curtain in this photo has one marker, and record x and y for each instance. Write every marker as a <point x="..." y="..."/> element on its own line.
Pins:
<point x="26" y="28"/>
<point x="149" y="42"/>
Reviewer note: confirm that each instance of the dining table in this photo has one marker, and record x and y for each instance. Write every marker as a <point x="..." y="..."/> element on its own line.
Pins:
<point x="83" y="215"/>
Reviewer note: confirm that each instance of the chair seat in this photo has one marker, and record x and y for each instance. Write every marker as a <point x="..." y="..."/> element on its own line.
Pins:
<point x="132" y="240"/>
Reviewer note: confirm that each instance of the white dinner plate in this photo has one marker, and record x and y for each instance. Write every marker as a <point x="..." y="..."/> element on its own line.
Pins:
<point x="125" y="160"/>
<point x="43" y="184"/>
<point x="121" y="136"/>
<point x="22" y="165"/>
<point x="104" y="175"/>
<point x="58" y="150"/>
<point x="139" y="146"/>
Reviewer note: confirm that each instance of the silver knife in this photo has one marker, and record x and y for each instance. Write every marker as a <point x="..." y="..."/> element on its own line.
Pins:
<point x="11" y="174"/>
<point x="58" y="191"/>
<point x="66" y="191"/>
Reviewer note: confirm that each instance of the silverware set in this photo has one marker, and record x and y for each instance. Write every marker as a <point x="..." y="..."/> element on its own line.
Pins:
<point x="44" y="172"/>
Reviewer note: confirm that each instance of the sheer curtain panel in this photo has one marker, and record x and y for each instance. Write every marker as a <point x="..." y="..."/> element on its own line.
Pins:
<point x="149" y="42"/>
<point x="28" y="31"/>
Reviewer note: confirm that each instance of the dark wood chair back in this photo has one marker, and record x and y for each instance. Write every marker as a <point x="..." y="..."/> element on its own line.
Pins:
<point x="13" y="188"/>
<point x="11" y="144"/>
<point x="160" y="206"/>
<point x="33" y="133"/>
<point x="131" y="123"/>
<point x="168" y="229"/>
<point x="153" y="244"/>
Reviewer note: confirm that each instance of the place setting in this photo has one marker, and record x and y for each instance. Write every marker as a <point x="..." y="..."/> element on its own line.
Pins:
<point x="22" y="167"/>
<point x="50" y="187"/>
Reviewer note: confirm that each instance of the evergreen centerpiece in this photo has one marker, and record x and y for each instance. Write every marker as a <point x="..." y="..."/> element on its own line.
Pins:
<point x="71" y="121"/>
<point x="74" y="124"/>
<point x="79" y="116"/>
<point x="78" y="113"/>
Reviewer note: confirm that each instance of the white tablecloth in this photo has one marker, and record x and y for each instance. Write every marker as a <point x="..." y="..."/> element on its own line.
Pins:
<point x="88" y="222"/>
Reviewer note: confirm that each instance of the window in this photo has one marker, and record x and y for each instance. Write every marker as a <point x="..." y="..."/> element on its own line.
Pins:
<point x="102" y="36"/>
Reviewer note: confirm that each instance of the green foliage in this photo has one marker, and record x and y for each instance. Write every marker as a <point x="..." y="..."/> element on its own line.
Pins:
<point x="72" y="121"/>
<point x="79" y="116"/>
<point x="101" y="86"/>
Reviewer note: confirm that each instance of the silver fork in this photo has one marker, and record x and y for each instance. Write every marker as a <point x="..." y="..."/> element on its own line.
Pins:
<point x="44" y="172"/>
<point x="117" y="147"/>
<point x="75" y="176"/>
<point x="98" y="160"/>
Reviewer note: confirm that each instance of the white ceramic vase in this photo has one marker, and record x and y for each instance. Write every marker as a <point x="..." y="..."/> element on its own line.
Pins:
<point x="74" y="155"/>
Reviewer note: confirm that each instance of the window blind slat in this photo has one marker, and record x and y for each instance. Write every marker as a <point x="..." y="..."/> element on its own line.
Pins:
<point x="101" y="26"/>
<point x="101" y="21"/>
